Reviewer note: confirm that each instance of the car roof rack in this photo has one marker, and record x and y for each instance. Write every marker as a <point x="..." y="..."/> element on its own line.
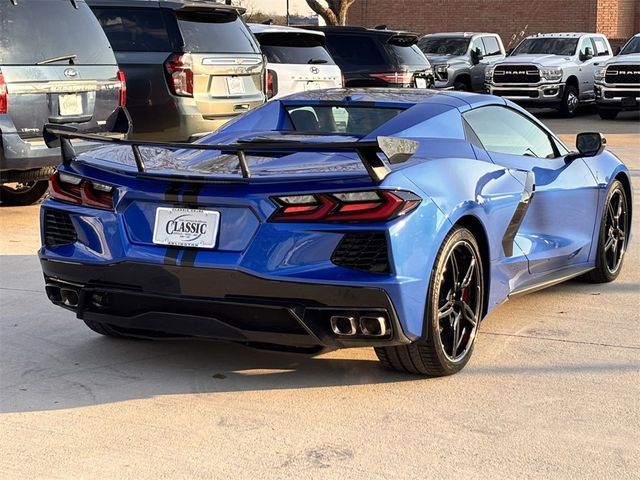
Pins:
<point x="397" y="150"/>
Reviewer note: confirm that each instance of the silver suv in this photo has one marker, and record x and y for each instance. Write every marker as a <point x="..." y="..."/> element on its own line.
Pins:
<point x="617" y="82"/>
<point x="459" y="60"/>
<point x="550" y="70"/>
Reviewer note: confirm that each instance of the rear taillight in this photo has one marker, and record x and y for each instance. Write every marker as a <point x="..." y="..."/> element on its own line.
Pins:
<point x="401" y="78"/>
<point x="4" y="100"/>
<point x="80" y="191"/>
<point x="122" y="102"/>
<point x="272" y="84"/>
<point x="179" y="69"/>
<point x="367" y="206"/>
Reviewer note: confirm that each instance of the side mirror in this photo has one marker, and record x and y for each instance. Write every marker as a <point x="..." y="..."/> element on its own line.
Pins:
<point x="589" y="144"/>
<point x="475" y="56"/>
<point x="586" y="55"/>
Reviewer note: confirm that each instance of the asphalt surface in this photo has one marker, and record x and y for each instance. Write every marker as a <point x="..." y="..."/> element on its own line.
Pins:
<point x="552" y="390"/>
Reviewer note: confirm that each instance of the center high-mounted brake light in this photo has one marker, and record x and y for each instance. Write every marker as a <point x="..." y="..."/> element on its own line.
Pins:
<point x="4" y="101"/>
<point x="401" y="78"/>
<point x="179" y="68"/>
<point x="366" y="206"/>
<point x="122" y="101"/>
<point x="80" y="191"/>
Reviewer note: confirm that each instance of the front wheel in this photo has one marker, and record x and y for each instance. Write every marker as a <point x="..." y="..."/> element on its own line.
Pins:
<point x="570" y="101"/>
<point x="452" y="317"/>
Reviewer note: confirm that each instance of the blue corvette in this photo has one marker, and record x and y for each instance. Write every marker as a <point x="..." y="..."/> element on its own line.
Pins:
<point x="330" y="219"/>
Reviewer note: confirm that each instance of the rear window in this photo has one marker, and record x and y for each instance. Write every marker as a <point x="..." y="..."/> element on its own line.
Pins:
<point x="294" y="48"/>
<point x="135" y="29"/>
<point x="36" y="30"/>
<point x="355" y="50"/>
<point x="410" y="55"/>
<point x="356" y="121"/>
<point x="215" y="32"/>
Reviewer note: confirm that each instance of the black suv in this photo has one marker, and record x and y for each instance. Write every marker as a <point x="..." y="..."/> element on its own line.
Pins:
<point x="378" y="57"/>
<point x="191" y="65"/>
<point x="56" y="66"/>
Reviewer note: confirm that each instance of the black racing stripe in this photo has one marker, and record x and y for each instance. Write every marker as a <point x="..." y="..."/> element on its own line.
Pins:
<point x="171" y="195"/>
<point x="171" y="256"/>
<point x="189" y="257"/>
<point x="190" y="199"/>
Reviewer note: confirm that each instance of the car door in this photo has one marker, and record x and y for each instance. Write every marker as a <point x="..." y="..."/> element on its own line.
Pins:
<point x="477" y="71"/>
<point x="586" y="68"/>
<point x="557" y="229"/>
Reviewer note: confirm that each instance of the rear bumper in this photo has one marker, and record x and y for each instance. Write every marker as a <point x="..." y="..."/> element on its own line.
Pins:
<point x="217" y="303"/>
<point x="549" y="94"/>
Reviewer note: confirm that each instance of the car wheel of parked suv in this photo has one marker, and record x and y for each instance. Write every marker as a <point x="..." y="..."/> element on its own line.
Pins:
<point x="26" y="193"/>
<point x="570" y="101"/>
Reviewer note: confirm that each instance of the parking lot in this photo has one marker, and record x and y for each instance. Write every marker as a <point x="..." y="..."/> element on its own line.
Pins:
<point x="552" y="390"/>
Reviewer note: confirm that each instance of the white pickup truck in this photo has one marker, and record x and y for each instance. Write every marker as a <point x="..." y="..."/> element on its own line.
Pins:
<point x="550" y="70"/>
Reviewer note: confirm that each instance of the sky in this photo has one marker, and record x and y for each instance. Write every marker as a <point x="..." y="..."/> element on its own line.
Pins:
<point x="279" y="6"/>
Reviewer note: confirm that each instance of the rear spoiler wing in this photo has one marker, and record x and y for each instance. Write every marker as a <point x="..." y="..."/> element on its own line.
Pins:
<point x="397" y="150"/>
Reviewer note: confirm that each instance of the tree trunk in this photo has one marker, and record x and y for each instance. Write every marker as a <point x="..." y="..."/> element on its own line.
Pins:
<point x="334" y="12"/>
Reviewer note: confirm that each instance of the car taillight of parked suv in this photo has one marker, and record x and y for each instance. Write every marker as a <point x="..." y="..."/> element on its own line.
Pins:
<point x="370" y="57"/>
<point x="56" y="66"/>
<point x="190" y="66"/>
<point x="297" y="60"/>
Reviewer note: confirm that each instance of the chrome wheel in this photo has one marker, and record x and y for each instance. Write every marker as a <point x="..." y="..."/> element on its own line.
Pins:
<point x="460" y="301"/>
<point x="572" y="102"/>
<point x="615" y="231"/>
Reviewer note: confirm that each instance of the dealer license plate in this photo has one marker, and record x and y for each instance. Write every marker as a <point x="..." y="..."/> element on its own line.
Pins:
<point x="185" y="227"/>
<point x="70" y="105"/>
<point x="235" y="85"/>
<point x="421" y="82"/>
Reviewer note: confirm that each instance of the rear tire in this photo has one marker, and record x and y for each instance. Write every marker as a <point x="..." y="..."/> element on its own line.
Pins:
<point x="607" y="114"/>
<point x="570" y="102"/>
<point x="454" y="309"/>
<point x="21" y="194"/>
<point x="613" y="236"/>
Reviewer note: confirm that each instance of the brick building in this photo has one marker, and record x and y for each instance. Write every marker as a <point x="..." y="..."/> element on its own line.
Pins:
<point x="617" y="19"/>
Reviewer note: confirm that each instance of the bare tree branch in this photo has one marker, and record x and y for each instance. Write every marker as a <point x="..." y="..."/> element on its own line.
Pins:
<point x="335" y="11"/>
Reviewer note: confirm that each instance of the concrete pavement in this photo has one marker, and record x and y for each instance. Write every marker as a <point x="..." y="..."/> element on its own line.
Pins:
<point x="552" y="390"/>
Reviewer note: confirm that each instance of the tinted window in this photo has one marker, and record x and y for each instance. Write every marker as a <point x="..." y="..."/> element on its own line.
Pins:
<point x="410" y="55"/>
<point x="294" y="48"/>
<point x="503" y="130"/>
<point x="478" y="46"/>
<point x="215" y="32"/>
<point x="491" y="45"/>
<point x="135" y="29"/>
<point x="443" y="45"/>
<point x="358" y="121"/>
<point x="548" y="46"/>
<point x="633" y="46"/>
<point x="354" y="50"/>
<point x="37" y="30"/>
<point x="600" y="46"/>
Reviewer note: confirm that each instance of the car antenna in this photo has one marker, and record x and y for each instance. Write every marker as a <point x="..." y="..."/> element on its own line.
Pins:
<point x="380" y="27"/>
<point x="14" y="2"/>
<point x="268" y="22"/>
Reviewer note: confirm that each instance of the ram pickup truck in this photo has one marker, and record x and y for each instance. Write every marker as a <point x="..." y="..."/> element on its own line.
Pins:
<point x="617" y="82"/>
<point x="459" y="60"/>
<point x="550" y="70"/>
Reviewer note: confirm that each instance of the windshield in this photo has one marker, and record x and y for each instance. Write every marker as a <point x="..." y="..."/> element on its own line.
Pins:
<point x="215" y="32"/>
<point x="632" y="46"/>
<point x="356" y="121"/>
<point x="45" y="29"/>
<point x="547" y="46"/>
<point x="444" y="45"/>
<point x="294" y="48"/>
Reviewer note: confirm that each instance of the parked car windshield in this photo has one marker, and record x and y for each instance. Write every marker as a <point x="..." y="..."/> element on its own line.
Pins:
<point x="547" y="46"/>
<point x="632" y="46"/>
<point x="215" y="32"/>
<point x="39" y="30"/>
<point x="444" y="45"/>
<point x="357" y="121"/>
<point x="294" y="48"/>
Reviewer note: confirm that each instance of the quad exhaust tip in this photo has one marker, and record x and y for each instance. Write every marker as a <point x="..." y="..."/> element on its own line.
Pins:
<point x="69" y="297"/>
<point x="366" y="325"/>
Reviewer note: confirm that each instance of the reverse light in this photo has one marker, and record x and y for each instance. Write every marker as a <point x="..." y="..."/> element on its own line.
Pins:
<point x="80" y="191"/>
<point x="364" y="206"/>
<point x="179" y="67"/>
<point x="400" y="78"/>
<point x="122" y="100"/>
<point x="4" y="100"/>
<point x="551" y="74"/>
